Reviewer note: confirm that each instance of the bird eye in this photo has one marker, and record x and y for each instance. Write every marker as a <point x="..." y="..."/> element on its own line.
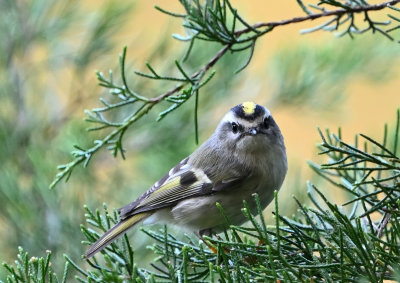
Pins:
<point x="235" y="127"/>
<point x="266" y="122"/>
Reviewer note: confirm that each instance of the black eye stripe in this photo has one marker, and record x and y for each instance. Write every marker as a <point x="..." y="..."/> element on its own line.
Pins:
<point x="235" y="127"/>
<point x="267" y="122"/>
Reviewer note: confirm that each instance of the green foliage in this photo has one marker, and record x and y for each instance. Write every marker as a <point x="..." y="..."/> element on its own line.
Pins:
<point x="118" y="265"/>
<point x="37" y="57"/>
<point x="33" y="269"/>
<point x="369" y="172"/>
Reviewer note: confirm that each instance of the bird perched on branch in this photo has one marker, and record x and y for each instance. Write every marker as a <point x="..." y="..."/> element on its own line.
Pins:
<point x="245" y="155"/>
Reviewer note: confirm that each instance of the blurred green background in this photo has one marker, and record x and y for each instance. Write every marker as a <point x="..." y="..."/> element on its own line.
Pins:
<point x="49" y="51"/>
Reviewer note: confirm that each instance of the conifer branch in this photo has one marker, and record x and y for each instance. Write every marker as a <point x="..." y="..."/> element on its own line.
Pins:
<point x="311" y="16"/>
<point x="215" y="21"/>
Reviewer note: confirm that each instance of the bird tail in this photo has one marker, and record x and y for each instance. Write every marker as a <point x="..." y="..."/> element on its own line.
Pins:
<point x="115" y="232"/>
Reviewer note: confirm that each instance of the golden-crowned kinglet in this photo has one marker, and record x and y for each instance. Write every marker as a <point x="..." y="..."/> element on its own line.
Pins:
<point x="245" y="155"/>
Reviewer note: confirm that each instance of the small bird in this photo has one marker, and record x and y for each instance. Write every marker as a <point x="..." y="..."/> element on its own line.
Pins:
<point x="245" y="155"/>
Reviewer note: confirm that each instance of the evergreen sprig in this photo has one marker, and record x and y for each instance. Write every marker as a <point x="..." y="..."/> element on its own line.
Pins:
<point x="33" y="269"/>
<point x="367" y="173"/>
<point x="215" y="21"/>
<point x="117" y="264"/>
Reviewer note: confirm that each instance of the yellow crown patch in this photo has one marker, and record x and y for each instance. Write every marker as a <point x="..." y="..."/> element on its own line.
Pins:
<point x="249" y="107"/>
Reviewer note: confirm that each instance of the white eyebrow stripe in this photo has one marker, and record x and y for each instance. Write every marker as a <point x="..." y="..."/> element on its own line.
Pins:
<point x="229" y="117"/>
<point x="246" y="123"/>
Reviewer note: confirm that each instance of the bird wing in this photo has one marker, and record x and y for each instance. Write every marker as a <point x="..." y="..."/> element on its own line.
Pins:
<point x="183" y="181"/>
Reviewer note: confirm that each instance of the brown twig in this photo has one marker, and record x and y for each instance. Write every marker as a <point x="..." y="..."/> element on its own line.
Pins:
<point x="272" y="25"/>
<point x="383" y="224"/>
<point x="311" y="17"/>
<point x="204" y="69"/>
